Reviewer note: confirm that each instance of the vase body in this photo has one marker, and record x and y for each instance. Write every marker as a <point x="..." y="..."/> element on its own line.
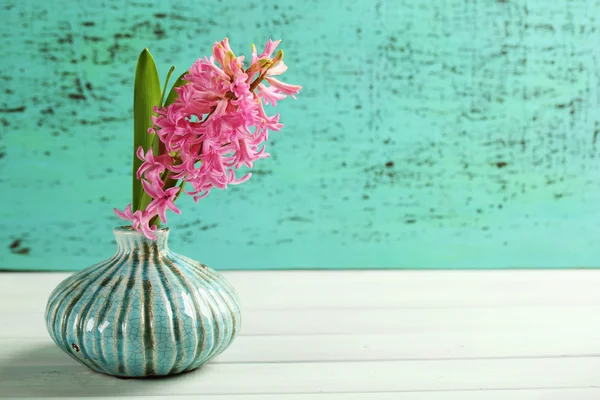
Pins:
<point x="144" y="312"/>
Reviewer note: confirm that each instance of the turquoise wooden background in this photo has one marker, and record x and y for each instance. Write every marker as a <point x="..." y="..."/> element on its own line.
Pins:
<point x="430" y="134"/>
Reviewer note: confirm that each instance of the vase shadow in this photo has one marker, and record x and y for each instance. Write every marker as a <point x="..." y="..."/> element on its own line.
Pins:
<point x="45" y="371"/>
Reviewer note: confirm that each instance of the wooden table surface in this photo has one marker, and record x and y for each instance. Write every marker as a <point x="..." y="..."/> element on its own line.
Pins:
<point x="372" y="335"/>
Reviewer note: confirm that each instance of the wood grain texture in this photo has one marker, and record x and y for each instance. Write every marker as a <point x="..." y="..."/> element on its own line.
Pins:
<point x="537" y="394"/>
<point x="313" y="378"/>
<point x="415" y="321"/>
<point x="364" y="290"/>
<point x="468" y="349"/>
<point x="439" y="134"/>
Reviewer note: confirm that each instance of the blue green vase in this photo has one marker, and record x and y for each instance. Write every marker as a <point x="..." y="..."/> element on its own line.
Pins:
<point x="145" y="312"/>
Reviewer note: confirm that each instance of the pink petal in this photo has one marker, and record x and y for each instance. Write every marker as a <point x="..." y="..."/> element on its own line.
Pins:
<point x="269" y="94"/>
<point x="269" y="48"/>
<point x="126" y="214"/>
<point x="152" y="190"/>
<point x="278" y="69"/>
<point x="284" y="87"/>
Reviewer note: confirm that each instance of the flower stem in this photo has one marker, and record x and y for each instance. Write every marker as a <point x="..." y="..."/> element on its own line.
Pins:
<point x="258" y="80"/>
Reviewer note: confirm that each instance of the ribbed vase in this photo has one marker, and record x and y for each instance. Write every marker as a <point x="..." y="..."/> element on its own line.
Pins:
<point x="146" y="311"/>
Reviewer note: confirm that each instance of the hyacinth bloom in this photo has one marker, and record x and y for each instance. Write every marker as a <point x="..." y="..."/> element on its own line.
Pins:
<point x="216" y="124"/>
<point x="140" y="221"/>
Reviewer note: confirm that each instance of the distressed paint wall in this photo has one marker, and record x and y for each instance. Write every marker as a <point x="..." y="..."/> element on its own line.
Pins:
<point x="438" y="134"/>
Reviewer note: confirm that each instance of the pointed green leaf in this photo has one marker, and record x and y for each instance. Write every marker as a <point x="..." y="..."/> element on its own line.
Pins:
<point x="162" y="96"/>
<point x="146" y="95"/>
<point x="173" y="94"/>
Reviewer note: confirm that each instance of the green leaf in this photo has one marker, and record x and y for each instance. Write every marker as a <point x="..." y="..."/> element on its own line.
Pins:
<point x="173" y="94"/>
<point x="146" y="95"/>
<point x="162" y="96"/>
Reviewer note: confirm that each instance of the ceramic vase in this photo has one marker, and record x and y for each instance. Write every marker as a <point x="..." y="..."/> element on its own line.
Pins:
<point x="145" y="312"/>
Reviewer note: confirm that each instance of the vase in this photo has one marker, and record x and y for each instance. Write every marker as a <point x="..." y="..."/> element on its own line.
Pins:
<point x="145" y="312"/>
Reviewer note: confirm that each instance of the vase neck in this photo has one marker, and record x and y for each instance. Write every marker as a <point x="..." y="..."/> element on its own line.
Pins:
<point x="129" y="240"/>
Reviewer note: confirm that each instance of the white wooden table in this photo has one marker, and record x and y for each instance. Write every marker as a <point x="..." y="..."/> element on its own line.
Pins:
<point x="384" y="335"/>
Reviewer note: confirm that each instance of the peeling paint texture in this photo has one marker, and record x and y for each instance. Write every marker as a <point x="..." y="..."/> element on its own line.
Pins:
<point x="430" y="134"/>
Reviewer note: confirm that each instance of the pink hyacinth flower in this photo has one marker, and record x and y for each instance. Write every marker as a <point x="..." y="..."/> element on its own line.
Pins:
<point x="153" y="167"/>
<point x="126" y="214"/>
<point x="267" y="52"/>
<point x="162" y="200"/>
<point x="270" y="94"/>
<point x="140" y="221"/>
<point x="286" y="88"/>
<point x="216" y="125"/>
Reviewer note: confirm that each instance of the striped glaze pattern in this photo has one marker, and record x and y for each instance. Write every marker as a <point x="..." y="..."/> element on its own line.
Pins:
<point x="146" y="311"/>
